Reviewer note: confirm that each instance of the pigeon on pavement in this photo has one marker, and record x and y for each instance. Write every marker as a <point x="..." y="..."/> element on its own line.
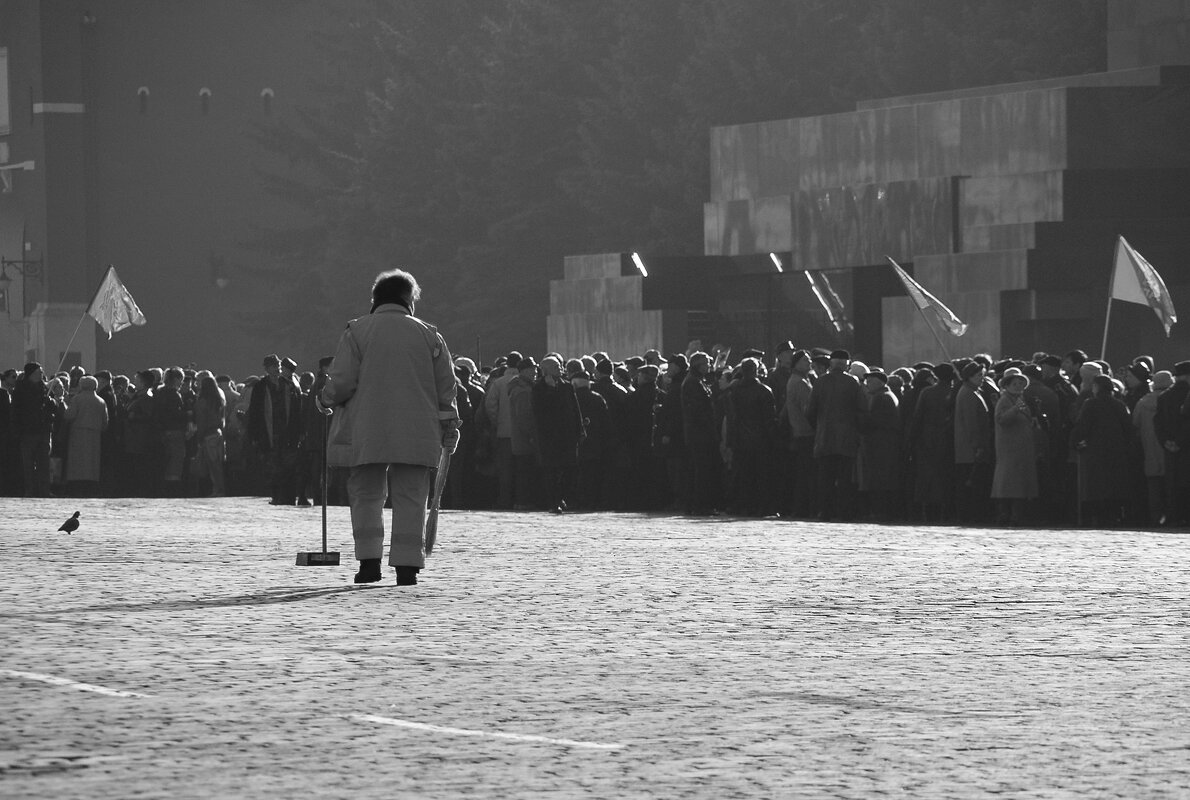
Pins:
<point x="71" y="525"/>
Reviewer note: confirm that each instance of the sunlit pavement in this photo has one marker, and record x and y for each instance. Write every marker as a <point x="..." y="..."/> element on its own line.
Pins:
<point x="172" y="649"/>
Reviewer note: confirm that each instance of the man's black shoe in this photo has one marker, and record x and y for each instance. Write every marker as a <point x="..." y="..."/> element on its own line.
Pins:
<point x="369" y="570"/>
<point x="407" y="576"/>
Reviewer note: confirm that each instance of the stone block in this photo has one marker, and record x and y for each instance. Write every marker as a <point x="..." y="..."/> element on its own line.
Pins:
<point x="596" y="295"/>
<point x="949" y="275"/>
<point x="779" y="147"/>
<point x="1013" y="236"/>
<point x="931" y="223"/>
<point x="735" y="162"/>
<point x="939" y="138"/>
<point x="1002" y="199"/>
<point x="772" y="225"/>
<point x="599" y="265"/>
<point x="895" y="147"/>
<point x="621" y="333"/>
<point x="855" y="226"/>
<point x="1013" y="133"/>
<point x="850" y="144"/>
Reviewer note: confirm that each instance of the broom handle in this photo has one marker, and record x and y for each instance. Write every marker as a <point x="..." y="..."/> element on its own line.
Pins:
<point x="325" y="436"/>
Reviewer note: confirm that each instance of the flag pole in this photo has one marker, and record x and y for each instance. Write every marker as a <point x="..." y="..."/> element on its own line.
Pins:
<point x="1111" y="287"/>
<point x="65" y="352"/>
<point x="83" y="317"/>
<point x="937" y="338"/>
<point x="926" y="319"/>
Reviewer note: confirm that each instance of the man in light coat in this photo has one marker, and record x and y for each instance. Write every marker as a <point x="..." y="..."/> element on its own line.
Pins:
<point x="394" y="380"/>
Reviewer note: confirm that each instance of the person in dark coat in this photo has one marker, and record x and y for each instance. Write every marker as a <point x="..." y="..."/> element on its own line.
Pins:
<point x="33" y="419"/>
<point x="10" y="442"/>
<point x="880" y="447"/>
<point x="803" y="481"/>
<point x="669" y="440"/>
<point x="780" y="474"/>
<point x="616" y="464"/>
<point x="526" y="484"/>
<point x="931" y="439"/>
<point x="559" y="431"/>
<point x="646" y="478"/>
<point x="700" y="434"/>
<point x="972" y="446"/>
<point x="591" y="447"/>
<point x="275" y="428"/>
<point x="1101" y="435"/>
<point x="1172" y="425"/>
<point x="462" y="480"/>
<point x="750" y="425"/>
<point x="836" y="407"/>
<point x="1062" y="475"/>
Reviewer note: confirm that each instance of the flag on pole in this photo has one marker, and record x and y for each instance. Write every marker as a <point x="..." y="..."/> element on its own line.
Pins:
<point x="1135" y="281"/>
<point x="113" y="307"/>
<point x="928" y="303"/>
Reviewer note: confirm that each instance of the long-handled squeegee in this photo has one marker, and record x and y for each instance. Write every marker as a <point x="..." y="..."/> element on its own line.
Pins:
<point x="324" y="558"/>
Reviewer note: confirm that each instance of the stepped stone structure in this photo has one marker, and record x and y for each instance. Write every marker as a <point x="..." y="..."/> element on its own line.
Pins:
<point x="1004" y="201"/>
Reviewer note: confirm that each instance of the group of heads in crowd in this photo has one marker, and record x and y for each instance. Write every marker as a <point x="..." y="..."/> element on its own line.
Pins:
<point x="651" y="367"/>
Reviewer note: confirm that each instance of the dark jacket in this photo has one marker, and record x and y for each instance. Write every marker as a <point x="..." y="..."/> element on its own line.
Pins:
<point x="836" y="405"/>
<point x="698" y="415"/>
<point x="594" y="410"/>
<point x="750" y="416"/>
<point x="1102" y="434"/>
<point x="32" y="409"/>
<point x="559" y="422"/>
<point x="880" y="444"/>
<point x="263" y="430"/>
<point x="931" y="441"/>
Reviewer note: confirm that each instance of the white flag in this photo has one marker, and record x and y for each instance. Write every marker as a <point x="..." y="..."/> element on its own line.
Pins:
<point x="1135" y="281"/>
<point x="927" y="302"/>
<point x="113" y="307"/>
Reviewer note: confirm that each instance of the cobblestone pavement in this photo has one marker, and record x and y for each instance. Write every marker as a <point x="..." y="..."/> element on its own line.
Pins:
<point x="172" y="649"/>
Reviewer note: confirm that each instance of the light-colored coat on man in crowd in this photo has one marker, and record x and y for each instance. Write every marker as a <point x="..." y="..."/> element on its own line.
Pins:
<point x="87" y="417"/>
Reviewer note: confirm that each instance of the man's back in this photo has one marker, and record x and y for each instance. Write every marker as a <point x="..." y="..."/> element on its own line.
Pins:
<point x="395" y="375"/>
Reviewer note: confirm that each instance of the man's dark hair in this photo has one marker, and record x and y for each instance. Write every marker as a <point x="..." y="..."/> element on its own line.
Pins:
<point x="174" y="374"/>
<point x="395" y="286"/>
<point x="223" y="379"/>
<point x="104" y="375"/>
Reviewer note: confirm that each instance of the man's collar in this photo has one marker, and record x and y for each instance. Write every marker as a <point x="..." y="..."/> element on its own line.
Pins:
<point x="387" y="307"/>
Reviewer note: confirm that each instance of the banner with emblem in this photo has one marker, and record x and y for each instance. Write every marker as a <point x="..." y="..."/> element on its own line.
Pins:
<point x="113" y="307"/>
<point x="1135" y="281"/>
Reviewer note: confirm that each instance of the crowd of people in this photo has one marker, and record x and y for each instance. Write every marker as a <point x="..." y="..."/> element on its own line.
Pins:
<point x="162" y="433"/>
<point x="811" y="434"/>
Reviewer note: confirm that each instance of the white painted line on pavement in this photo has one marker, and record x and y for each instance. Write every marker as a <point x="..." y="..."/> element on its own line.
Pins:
<point x="82" y="687"/>
<point x="520" y="737"/>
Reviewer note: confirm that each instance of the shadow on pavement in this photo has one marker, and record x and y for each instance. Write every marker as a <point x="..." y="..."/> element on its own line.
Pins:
<point x="265" y="598"/>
